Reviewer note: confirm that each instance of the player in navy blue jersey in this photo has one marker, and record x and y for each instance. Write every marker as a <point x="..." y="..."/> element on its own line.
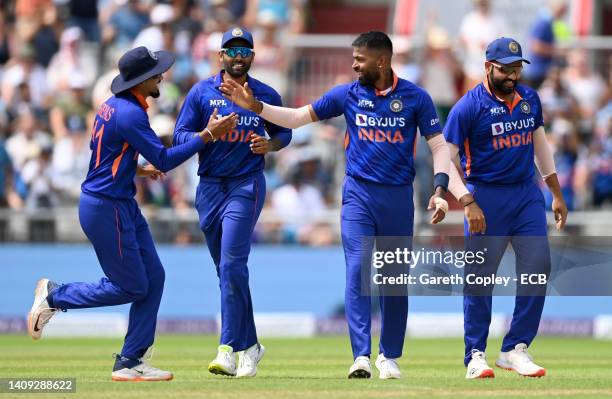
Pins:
<point x="382" y="113"/>
<point x="497" y="130"/>
<point x="231" y="193"/>
<point x="111" y="219"/>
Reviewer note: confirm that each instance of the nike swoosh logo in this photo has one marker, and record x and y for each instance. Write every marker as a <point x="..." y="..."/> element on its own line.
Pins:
<point x="36" y="329"/>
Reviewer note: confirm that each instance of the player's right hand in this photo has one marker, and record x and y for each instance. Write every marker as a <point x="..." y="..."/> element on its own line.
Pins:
<point x="220" y="126"/>
<point x="240" y="95"/>
<point x="475" y="218"/>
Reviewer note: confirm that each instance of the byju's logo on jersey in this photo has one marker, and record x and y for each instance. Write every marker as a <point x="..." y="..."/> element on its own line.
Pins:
<point x="366" y="104"/>
<point x="497" y="128"/>
<point x="496" y="111"/>
<point x="379" y="121"/>
<point x="218" y="103"/>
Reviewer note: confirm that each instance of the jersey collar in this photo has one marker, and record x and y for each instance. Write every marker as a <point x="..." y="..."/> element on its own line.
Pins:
<point x="141" y="100"/>
<point x="517" y="97"/>
<point x="383" y="93"/>
<point x="219" y="79"/>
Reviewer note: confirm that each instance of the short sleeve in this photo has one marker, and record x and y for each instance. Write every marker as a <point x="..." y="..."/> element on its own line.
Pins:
<point x="427" y="117"/>
<point x="458" y="123"/>
<point x="331" y="104"/>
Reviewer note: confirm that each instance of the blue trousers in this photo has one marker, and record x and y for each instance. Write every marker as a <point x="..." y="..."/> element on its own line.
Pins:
<point x="368" y="210"/>
<point x="134" y="274"/>
<point x="228" y="209"/>
<point x="514" y="214"/>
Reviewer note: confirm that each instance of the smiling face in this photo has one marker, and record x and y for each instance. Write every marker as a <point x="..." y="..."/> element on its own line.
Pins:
<point x="237" y="65"/>
<point x="368" y="63"/>
<point x="504" y="78"/>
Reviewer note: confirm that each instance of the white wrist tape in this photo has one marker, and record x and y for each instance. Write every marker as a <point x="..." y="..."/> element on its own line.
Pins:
<point x="440" y="154"/>
<point x="441" y="204"/>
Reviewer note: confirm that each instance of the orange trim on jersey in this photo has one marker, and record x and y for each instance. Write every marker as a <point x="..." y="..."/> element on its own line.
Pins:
<point x="141" y="100"/>
<point x="517" y="97"/>
<point x="117" y="160"/>
<point x="346" y="139"/>
<point x="468" y="157"/>
<point x="395" y="80"/>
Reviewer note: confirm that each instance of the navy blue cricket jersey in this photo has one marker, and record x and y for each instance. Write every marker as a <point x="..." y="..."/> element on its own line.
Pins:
<point x="381" y="128"/>
<point x="231" y="155"/>
<point x="495" y="139"/>
<point x="122" y="131"/>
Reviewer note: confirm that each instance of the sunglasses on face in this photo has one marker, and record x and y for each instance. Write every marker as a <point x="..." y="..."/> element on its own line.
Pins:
<point x="508" y="70"/>
<point x="244" y="52"/>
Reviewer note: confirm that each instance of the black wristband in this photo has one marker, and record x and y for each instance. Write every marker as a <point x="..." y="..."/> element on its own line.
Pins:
<point x="469" y="203"/>
<point x="441" y="180"/>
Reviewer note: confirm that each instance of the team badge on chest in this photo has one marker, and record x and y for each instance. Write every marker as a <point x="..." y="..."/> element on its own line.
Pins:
<point x="525" y="107"/>
<point x="396" y="105"/>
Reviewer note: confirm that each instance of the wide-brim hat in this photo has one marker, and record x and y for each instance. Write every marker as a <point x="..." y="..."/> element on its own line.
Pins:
<point x="138" y="65"/>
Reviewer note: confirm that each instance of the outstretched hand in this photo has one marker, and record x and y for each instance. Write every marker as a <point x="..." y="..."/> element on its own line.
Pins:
<point x="241" y="95"/>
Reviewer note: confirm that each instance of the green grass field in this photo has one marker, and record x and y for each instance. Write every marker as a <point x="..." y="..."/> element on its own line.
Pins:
<point x="308" y="368"/>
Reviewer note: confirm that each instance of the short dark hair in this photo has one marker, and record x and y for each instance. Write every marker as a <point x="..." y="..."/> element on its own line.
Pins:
<point x="374" y="40"/>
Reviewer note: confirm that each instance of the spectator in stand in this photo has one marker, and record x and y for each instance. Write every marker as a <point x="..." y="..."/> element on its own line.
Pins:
<point x="125" y="22"/>
<point x="159" y="35"/>
<point x="541" y="47"/>
<point x="70" y="61"/>
<point x="8" y="195"/>
<point x="478" y="28"/>
<point x="24" y="70"/>
<point x="27" y="140"/>
<point x="37" y="174"/>
<point x="586" y="86"/>
<point x="84" y="14"/>
<point x="557" y="101"/>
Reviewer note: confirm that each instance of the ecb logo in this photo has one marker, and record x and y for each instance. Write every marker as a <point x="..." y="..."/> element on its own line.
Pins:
<point x="396" y="105"/>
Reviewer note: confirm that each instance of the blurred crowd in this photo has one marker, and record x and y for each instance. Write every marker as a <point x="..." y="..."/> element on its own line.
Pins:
<point x="58" y="57"/>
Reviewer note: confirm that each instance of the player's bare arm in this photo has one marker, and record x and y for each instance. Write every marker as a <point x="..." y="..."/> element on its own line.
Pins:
<point x="441" y="158"/>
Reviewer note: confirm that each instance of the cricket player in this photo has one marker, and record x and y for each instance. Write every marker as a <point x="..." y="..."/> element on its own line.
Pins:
<point x="111" y="219"/>
<point x="382" y="114"/>
<point x="231" y="194"/>
<point x="497" y="130"/>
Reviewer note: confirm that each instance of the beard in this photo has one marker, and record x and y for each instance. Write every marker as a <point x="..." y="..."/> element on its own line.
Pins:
<point x="155" y="93"/>
<point x="502" y="85"/>
<point x="237" y="69"/>
<point x="369" y="78"/>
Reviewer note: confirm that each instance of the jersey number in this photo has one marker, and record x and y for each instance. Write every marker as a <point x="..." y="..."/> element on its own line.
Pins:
<point x="97" y="134"/>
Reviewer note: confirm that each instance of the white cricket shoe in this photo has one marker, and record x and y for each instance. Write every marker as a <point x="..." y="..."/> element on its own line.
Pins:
<point x="520" y="361"/>
<point x="361" y="368"/>
<point x="478" y="367"/>
<point x="388" y="368"/>
<point x="142" y="371"/>
<point x="224" y="363"/>
<point x="41" y="312"/>
<point x="249" y="359"/>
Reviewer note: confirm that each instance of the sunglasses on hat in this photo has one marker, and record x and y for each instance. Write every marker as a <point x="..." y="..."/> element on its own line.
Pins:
<point x="232" y="52"/>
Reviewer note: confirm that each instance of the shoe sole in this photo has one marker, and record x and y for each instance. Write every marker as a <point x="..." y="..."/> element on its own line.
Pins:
<point x="538" y="374"/>
<point x="140" y="379"/>
<point x="218" y="370"/>
<point x="485" y="374"/>
<point x="40" y="286"/>
<point x="360" y="373"/>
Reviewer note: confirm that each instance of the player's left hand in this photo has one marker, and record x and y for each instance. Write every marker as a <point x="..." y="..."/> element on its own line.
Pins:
<point x="260" y="144"/>
<point x="150" y="171"/>
<point x="559" y="208"/>
<point x="440" y="205"/>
